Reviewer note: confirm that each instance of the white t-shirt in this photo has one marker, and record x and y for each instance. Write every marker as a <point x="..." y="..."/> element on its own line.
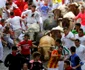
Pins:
<point x="15" y="22"/>
<point x="82" y="39"/>
<point x="80" y="51"/>
<point x="29" y="18"/>
<point x="66" y="41"/>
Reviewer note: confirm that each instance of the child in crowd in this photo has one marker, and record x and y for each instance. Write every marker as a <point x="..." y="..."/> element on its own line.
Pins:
<point x="35" y="63"/>
<point x="67" y="65"/>
<point x="25" y="66"/>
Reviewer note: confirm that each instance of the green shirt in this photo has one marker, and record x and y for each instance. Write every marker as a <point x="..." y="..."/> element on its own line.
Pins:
<point x="75" y="32"/>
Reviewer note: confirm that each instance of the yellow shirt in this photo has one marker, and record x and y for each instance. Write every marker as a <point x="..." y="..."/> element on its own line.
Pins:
<point x="57" y="1"/>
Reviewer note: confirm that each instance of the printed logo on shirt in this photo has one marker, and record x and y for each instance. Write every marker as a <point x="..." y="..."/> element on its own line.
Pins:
<point x="26" y="46"/>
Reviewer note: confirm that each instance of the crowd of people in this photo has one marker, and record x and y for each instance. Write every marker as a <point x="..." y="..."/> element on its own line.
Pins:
<point x="67" y="50"/>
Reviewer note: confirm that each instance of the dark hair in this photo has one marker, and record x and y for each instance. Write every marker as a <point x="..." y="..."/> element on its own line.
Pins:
<point x="77" y="40"/>
<point x="67" y="62"/>
<point x="2" y="20"/>
<point x="61" y="46"/>
<point x="81" y="29"/>
<point x="12" y="13"/>
<point x="35" y="54"/>
<point x="59" y="41"/>
<point x="33" y="6"/>
<point x="7" y="4"/>
<point x="26" y="0"/>
<point x="14" y="48"/>
<point x="78" y="24"/>
<point x="73" y="49"/>
<point x="26" y="35"/>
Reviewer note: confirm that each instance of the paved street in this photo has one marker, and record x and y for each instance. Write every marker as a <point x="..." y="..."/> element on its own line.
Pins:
<point x="6" y="51"/>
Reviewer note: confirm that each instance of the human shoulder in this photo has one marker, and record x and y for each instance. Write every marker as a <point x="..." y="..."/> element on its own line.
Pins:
<point x="70" y="33"/>
<point x="9" y="55"/>
<point x="82" y="46"/>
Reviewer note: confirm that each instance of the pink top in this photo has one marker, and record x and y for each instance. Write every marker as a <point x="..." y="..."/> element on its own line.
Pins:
<point x="82" y="17"/>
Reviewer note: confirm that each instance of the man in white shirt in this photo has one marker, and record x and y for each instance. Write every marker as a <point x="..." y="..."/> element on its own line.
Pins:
<point x="80" y="36"/>
<point x="80" y="51"/>
<point x="15" y="22"/>
<point x="6" y="11"/>
<point x="32" y="16"/>
<point x="67" y="38"/>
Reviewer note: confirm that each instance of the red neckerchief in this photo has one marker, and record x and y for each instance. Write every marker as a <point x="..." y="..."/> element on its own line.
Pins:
<point x="37" y="0"/>
<point x="0" y="16"/>
<point x="81" y="35"/>
<point x="13" y="53"/>
<point x="45" y="4"/>
<point x="11" y="16"/>
<point x="66" y="34"/>
<point x="1" y="24"/>
<point x="10" y="3"/>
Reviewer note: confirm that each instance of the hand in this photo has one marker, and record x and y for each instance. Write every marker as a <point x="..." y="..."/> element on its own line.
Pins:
<point x="74" y="67"/>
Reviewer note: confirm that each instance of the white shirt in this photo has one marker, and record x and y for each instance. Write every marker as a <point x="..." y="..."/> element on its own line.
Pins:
<point x="82" y="39"/>
<point x="15" y="22"/>
<point x="5" y="15"/>
<point x="29" y="18"/>
<point x="35" y="2"/>
<point x="80" y="51"/>
<point x="66" y="41"/>
<point x="13" y="5"/>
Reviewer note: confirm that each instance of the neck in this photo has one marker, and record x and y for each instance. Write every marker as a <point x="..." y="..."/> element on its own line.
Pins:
<point x="77" y="45"/>
<point x="33" y="10"/>
<point x="73" y="53"/>
<point x="82" y="11"/>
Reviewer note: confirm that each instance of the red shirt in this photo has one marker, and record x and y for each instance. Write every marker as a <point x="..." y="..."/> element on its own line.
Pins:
<point x="82" y="17"/>
<point x="20" y="5"/>
<point x="69" y="68"/>
<point x="17" y="12"/>
<point x="25" y="46"/>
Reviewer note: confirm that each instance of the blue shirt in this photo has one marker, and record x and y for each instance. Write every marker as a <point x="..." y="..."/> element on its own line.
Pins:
<point x="75" y="60"/>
